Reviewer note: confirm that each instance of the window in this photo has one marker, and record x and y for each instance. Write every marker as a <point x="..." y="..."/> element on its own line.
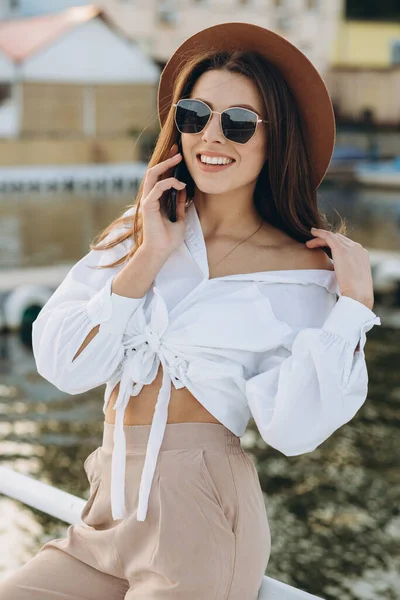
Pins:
<point x="371" y="10"/>
<point x="5" y="92"/>
<point x="395" y="53"/>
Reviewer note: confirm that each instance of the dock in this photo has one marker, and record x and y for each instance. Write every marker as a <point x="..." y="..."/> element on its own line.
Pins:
<point x="109" y="179"/>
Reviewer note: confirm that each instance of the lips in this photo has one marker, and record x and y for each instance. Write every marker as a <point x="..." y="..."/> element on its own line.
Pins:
<point x="212" y="168"/>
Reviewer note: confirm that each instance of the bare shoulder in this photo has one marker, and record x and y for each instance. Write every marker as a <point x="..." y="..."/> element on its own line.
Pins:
<point x="295" y="255"/>
<point x="277" y="250"/>
<point x="310" y="258"/>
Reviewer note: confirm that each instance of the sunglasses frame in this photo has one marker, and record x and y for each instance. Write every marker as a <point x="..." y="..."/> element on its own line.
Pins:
<point x="258" y="120"/>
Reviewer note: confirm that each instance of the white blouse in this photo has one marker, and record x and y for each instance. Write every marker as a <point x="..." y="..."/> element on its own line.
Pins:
<point x="278" y="346"/>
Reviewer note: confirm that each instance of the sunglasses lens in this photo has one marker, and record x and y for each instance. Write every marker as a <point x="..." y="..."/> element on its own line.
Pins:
<point x="191" y="116"/>
<point x="239" y="124"/>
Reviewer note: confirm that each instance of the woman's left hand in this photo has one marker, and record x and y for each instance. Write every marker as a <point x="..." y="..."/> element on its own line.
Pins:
<point x="351" y="262"/>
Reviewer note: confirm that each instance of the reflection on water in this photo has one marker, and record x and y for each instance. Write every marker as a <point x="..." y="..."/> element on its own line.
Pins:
<point x="45" y="230"/>
<point x="373" y="216"/>
<point x="333" y="513"/>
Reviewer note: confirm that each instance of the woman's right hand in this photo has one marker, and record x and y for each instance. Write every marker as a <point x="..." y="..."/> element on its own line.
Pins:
<point x="160" y="235"/>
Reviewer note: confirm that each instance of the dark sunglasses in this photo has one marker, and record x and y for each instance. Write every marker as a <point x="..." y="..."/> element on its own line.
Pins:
<point x="238" y="124"/>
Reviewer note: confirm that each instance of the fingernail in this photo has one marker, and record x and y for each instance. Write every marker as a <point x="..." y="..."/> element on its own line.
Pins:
<point x="313" y="229"/>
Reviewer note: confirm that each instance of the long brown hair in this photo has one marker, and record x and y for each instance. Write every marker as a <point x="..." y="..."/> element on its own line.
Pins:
<point x="284" y="194"/>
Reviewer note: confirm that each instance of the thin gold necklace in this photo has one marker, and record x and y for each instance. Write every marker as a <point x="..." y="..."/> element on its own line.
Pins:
<point x="234" y="248"/>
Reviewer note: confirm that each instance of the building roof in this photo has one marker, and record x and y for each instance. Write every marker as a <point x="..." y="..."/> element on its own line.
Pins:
<point x="20" y="38"/>
<point x="79" y="45"/>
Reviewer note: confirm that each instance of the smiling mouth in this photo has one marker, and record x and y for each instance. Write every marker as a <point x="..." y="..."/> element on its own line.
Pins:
<point x="210" y="167"/>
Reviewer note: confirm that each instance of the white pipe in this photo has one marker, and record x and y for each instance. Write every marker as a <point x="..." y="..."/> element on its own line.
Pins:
<point x="42" y="496"/>
<point x="68" y="508"/>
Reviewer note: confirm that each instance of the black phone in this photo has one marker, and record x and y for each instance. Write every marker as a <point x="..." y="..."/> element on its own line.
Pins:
<point x="180" y="172"/>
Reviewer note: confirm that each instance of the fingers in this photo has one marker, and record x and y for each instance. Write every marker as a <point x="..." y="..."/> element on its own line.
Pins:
<point x="159" y="188"/>
<point x="326" y="238"/>
<point x="153" y="173"/>
<point x="166" y="184"/>
<point x="335" y="241"/>
<point x="170" y="169"/>
<point x="315" y="243"/>
<point x="173" y="152"/>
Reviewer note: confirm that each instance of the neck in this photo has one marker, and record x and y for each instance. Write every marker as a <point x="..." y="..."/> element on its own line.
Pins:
<point x="221" y="217"/>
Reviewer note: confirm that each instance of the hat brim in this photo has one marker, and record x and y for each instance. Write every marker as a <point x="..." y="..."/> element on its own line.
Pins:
<point x="306" y="84"/>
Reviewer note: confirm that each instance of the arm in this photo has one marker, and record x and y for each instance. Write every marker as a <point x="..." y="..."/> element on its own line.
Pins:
<point x="315" y="382"/>
<point x="132" y="281"/>
<point x="77" y="336"/>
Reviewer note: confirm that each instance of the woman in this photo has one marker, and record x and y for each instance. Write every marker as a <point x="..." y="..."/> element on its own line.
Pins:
<point x="236" y="304"/>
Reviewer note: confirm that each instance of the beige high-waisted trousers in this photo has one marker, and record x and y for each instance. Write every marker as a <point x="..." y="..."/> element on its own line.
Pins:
<point x="206" y="535"/>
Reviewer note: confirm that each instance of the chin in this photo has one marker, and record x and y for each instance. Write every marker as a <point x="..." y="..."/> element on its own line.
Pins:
<point x="210" y="191"/>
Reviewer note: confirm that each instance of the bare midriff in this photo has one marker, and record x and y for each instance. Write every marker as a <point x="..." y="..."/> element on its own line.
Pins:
<point x="183" y="406"/>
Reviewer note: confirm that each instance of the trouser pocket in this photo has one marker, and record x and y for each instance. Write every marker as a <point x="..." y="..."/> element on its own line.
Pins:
<point x="219" y="479"/>
<point x="92" y="468"/>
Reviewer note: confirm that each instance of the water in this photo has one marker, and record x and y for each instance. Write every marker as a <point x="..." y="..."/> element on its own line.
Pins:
<point x="49" y="229"/>
<point x="334" y="515"/>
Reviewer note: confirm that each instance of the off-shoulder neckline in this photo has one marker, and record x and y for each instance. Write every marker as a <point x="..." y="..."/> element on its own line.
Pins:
<point x="274" y="271"/>
<point x="325" y="278"/>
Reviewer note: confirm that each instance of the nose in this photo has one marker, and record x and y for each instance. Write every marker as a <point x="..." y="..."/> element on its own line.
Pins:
<point x="212" y="131"/>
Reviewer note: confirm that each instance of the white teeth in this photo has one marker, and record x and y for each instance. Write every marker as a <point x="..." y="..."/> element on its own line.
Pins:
<point x="215" y="160"/>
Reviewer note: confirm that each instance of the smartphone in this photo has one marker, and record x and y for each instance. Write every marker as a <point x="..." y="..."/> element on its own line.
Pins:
<point x="180" y="172"/>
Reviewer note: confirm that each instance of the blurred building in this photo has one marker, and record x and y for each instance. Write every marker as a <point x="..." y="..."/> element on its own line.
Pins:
<point x="73" y="89"/>
<point x="364" y="79"/>
<point x="160" y="26"/>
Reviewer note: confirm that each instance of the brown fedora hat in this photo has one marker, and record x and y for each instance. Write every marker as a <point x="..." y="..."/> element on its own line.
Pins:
<point x="305" y="82"/>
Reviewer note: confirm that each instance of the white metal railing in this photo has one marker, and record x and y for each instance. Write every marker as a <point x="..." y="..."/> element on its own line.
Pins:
<point x="67" y="507"/>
